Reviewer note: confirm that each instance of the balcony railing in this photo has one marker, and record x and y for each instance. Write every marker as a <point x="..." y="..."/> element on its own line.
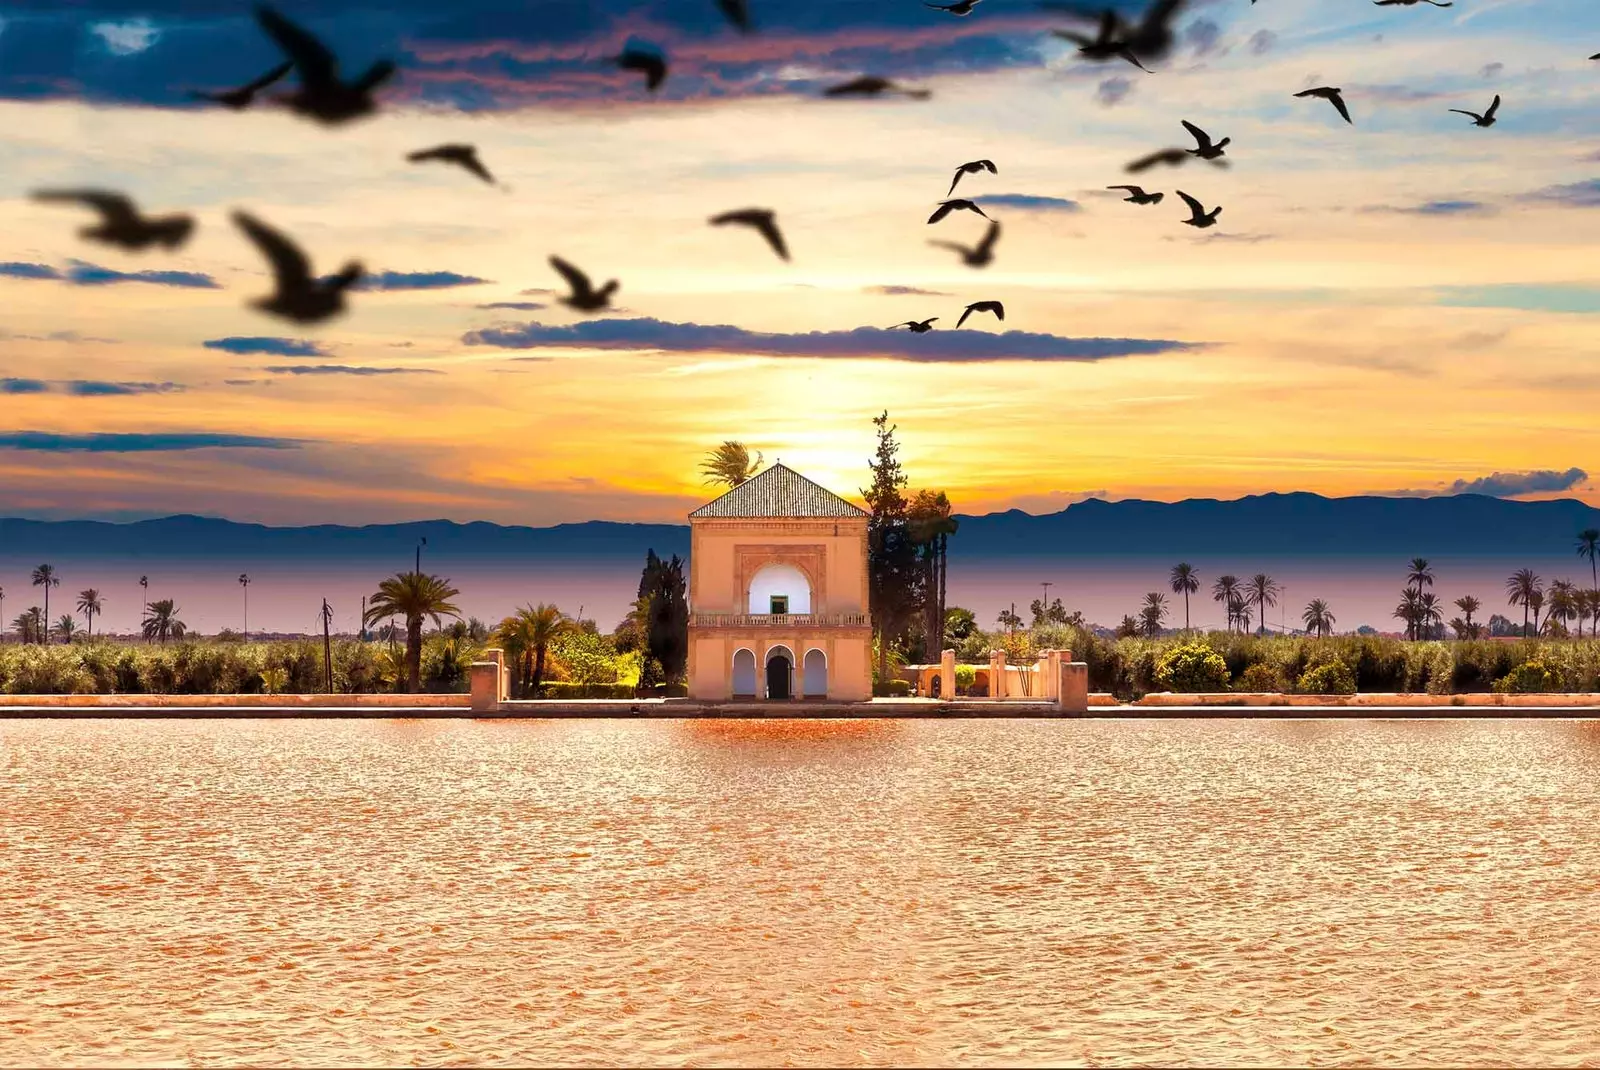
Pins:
<point x="776" y="620"/>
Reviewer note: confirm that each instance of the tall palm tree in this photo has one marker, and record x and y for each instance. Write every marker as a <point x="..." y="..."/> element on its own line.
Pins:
<point x="1419" y="574"/>
<point x="1521" y="588"/>
<point x="1410" y="611"/>
<point x="1152" y="612"/>
<point x="29" y="625"/>
<point x="45" y="576"/>
<point x="730" y="463"/>
<point x="1563" y="604"/>
<point x="1589" y="546"/>
<point x="161" y="621"/>
<point x="1239" y="606"/>
<point x="1429" y="616"/>
<point x="413" y="595"/>
<point x="1536" y="603"/>
<point x="529" y="633"/>
<point x="66" y="628"/>
<point x="1318" y="617"/>
<point x="89" y="606"/>
<point x="1588" y="608"/>
<point x="1184" y="582"/>
<point x="1263" y="590"/>
<point x="244" y="582"/>
<point x="1224" y="590"/>
<point x="1468" y="605"/>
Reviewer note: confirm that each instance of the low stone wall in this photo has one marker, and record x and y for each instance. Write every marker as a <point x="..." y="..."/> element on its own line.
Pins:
<point x="123" y="702"/>
<point x="1226" y="699"/>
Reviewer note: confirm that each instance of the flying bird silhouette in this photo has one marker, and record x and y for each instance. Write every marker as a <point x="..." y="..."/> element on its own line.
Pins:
<point x="245" y="95"/>
<point x="960" y="7"/>
<point x="996" y="307"/>
<point x="584" y="297"/>
<point x="1412" y="3"/>
<point x="299" y="297"/>
<point x="1595" y="56"/>
<point x="465" y="156"/>
<point x="1137" y="195"/>
<point x="869" y="86"/>
<point x="1331" y="95"/>
<point x="1198" y="216"/>
<point x="917" y="326"/>
<point x="971" y="169"/>
<point x="762" y="219"/>
<point x="958" y="204"/>
<point x="1149" y="38"/>
<point x="737" y="12"/>
<point x="652" y="65"/>
<point x="979" y="255"/>
<point x="1104" y="45"/>
<point x="120" y="222"/>
<point x="1206" y="151"/>
<point x="1170" y="157"/>
<point x="1487" y="118"/>
<point x="323" y="95"/>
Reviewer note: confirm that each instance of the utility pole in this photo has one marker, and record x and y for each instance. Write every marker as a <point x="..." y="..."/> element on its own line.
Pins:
<point x="420" y="544"/>
<point x="327" y="644"/>
<point x="363" y="618"/>
<point x="244" y="581"/>
<point x="1047" y="586"/>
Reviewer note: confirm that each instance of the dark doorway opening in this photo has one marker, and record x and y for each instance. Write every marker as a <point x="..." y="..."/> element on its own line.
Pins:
<point x="778" y="670"/>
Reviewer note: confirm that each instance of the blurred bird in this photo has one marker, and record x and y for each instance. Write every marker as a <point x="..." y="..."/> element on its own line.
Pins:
<point x="1136" y="195"/>
<point x="245" y="95"/>
<point x="971" y="169"/>
<point x="120" y="222"/>
<point x="1199" y="217"/>
<point x="996" y="307"/>
<point x="1104" y="45"/>
<point x="299" y="297"/>
<point x="465" y="156"/>
<point x="323" y="96"/>
<point x="1595" y="56"/>
<point x="1410" y="3"/>
<point x="584" y="297"/>
<point x="1487" y="118"/>
<point x="737" y="12"/>
<point x="1171" y="157"/>
<point x="652" y="65"/>
<point x="1206" y="151"/>
<point x="960" y="7"/>
<point x="917" y="326"/>
<point x="979" y="255"/>
<point x="869" y="86"/>
<point x="958" y="204"/>
<point x="1331" y="95"/>
<point x="1149" y="38"/>
<point x="762" y="219"/>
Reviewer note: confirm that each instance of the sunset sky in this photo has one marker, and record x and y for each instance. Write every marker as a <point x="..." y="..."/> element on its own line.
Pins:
<point x="1408" y="304"/>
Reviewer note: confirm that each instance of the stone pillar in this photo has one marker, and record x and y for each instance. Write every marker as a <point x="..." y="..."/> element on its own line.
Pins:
<point x="486" y="681"/>
<point x="947" y="674"/>
<point x="1073" y="696"/>
<point x="997" y="674"/>
<point x="1050" y="674"/>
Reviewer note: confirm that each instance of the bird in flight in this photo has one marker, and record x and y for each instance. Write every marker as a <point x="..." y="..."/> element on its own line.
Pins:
<point x="1331" y="95"/>
<point x="996" y="307"/>
<point x="917" y="326"/>
<point x="584" y="297"/>
<point x="1149" y="38"/>
<point x="120" y="222"/>
<point x="465" y="156"/>
<point x="323" y="96"/>
<point x="1198" y="216"/>
<point x="652" y="65"/>
<point x="1595" y="56"/>
<point x="1104" y="45"/>
<point x="245" y="95"/>
<point x="762" y="219"/>
<point x="1206" y="151"/>
<point x="1413" y="3"/>
<point x="1171" y="157"/>
<point x="958" y="204"/>
<point x="737" y="12"/>
<point x="1487" y="118"/>
<point x="971" y="169"/>
<point x="1137" y="195"/>
<point x="979" y="255"/>
<point x="299" y="297"/>
<point x="960" y="7"/>
<point x="869" y="86"/>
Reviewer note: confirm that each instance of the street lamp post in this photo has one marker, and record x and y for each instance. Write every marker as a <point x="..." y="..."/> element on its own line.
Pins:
<point x="244" y="581"/>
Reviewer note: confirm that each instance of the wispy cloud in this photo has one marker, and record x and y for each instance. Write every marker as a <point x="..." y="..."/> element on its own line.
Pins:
<point x="345" y="369"/>
<point x="85" y="388"/>
<point x="1113" y="90"/>
<point x="515" y="306"/>
<point x="17" y="270"/>
<point x="417" y="280"/>
<point x="1574" y="297"/>
<point x="85" y="274"/>
<point x="1394" y="94"/>
<point x="276" y="347"/>
<point x="644" y="335"/>
<point x="1436" y="208"/>
<point x="137" y="442"/>
<point x="126" y="38"/>
<point x="1584" y="194"/>
<point x="1261" y="42"/>
<point x="1029" y="202"/>
<point x="903" y="291"/>
<point x="1505" y="484"/>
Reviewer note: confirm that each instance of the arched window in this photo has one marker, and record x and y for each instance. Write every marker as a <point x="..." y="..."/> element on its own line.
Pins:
<point x="815" y="679"/>
<point x="779" y="588"/>
<point x="744" y="673"/>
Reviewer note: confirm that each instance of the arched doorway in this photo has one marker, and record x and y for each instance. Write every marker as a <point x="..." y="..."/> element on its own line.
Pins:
<point x="780" y="673"/>
<point x="744" y="673"/>
<point x="936" y="688"/>
<point x="815" y="679"/>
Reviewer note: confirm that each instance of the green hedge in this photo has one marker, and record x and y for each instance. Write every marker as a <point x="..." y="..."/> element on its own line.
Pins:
<point x="892" y="689"/>
<point x="561" y="690"/>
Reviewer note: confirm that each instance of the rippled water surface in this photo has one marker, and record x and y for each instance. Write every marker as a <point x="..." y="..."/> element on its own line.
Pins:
<point x="737" y="892"/>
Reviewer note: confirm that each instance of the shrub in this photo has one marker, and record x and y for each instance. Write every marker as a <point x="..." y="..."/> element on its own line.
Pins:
<point x="966" y="676"/>
<point x="562" y="689"/>
<point x="1261" y="678"/>
<point x="1329" y="678"/>
<point x="1531" y="677"/>
<point x="1191" y="666"/>
<point x="893" y="689"/>
<point x="1441" y="669"/>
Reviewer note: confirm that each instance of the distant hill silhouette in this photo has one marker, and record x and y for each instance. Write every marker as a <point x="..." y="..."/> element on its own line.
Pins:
<point x="1280" y="525"/>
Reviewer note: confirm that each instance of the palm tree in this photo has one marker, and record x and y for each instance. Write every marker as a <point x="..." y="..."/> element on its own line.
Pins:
<point x="1428" y="615"/>
<point x="1537" y="603"/>
<point x="89" y="606"/>
<point x="730" y="463"/>
<point x="161" y="621"/>
<point x="1522" y="587"/>
<point x="1410" y="611"/>
<point x="1589" y="546"/>
<point x="1239" y="610"/>
<point x="1263" y="590"/>
<point x="529" y="634"/>
<point x="1468" y="605"/>
<point x="30" y="625"/>
<point x="45" y="576"/>
<point x="1318" y="617"/>
<point x="1224" y="590"/>
<point x="1420" y="574"/>
<point x="244" y="582"/>
<point x="931" y="525"/>
<point x="66" y="627"/>
<point x="1184" y="582"/>
<point x="1150" y="615"/>
<point x="413" y="595"/>
<point x="1563" y="604"/>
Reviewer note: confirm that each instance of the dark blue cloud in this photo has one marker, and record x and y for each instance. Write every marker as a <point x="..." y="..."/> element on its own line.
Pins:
<point x="1572" y="194"/>
<point x="276" y="347"/>
<point x="136" y="442"/>
<point x="345" y="369"/>
<point x="1028" y="202"/>
<point x="24" y="386"/>
<point x="16" y="270"/>
<point x="517" y="306"/>
<point x="1437" y="208"/>
<point x="1511" y="484"/>
<point x="936" y="347"/>
<point x="84" y="388"/>
<point x="84" y="274"/>
<point x="416" y="280"/>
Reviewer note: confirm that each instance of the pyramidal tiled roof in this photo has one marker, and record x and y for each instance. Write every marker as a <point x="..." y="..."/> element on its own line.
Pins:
<point x="778" y="492"/>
